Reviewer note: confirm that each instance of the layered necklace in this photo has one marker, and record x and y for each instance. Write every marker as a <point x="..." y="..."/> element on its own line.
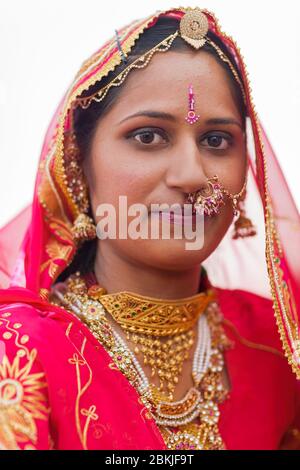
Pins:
<point x="162" y="333"/>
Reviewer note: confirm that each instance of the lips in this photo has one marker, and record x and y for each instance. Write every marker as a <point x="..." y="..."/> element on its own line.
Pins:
<point x="175" y="218"/>
<point x="178" y="219"/>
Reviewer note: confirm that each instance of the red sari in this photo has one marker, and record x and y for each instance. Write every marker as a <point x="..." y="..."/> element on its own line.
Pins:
<point x="59" y="387"/>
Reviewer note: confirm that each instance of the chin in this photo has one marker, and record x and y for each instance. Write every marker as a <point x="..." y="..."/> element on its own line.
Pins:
<point x="171" y="254"/>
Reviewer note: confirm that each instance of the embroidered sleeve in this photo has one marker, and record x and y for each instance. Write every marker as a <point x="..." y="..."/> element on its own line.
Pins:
<point x="24" y="407"/>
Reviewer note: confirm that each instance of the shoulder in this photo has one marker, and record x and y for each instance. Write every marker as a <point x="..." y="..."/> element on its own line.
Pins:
<point x="25" y="327"/>
<point x="20" y="319"/>
<point x="22" y="333"/>
<point x="244" y="299"/>
<point x="53" y="332"/>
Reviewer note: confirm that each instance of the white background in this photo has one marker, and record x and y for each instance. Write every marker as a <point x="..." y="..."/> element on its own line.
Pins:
<point x="43" y="43"/>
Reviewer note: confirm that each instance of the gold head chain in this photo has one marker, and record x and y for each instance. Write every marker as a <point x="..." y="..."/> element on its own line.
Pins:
<point x="193" y="29"/>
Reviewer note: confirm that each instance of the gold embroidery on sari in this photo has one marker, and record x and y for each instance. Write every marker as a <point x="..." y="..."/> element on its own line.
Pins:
<point x="79" y="361"/>
<point x="44" y="293"/>
<point x="47" y="192"/>
<point x="22" y="399"/>
<point x="283" y="300"/>
<point x="90" y="414"/>
<point x="55" y="251"/>
<point x="9" y="333"/>
<point x="97" y="58"/>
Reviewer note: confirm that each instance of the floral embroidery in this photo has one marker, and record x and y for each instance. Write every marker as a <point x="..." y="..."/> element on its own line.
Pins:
<point x="55" y="252"/>
<point x="22" y="400"/>
<point x="78" y="360"/>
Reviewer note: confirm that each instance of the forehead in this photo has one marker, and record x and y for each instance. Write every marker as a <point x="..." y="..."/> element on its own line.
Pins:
<point x="164" y="82"/>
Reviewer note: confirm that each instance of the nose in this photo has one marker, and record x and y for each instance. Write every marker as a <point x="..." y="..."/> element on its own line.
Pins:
<point x="185" y="171"/>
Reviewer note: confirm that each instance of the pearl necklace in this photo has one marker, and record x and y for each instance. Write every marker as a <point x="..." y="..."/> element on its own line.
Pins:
<point x="201" y="356"/>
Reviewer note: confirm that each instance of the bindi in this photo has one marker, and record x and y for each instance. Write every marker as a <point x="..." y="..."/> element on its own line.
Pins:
<point x="191" y="117"/>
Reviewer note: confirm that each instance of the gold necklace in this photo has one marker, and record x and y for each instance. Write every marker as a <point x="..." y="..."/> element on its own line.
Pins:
<point x="161" y="330"/>
<point x="173" y="418"/>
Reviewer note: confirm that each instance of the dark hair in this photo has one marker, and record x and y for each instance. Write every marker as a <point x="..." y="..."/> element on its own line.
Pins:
<point x="85" y="120"/>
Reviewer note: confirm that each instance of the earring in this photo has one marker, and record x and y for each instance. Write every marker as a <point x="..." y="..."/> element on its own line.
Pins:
<point x="83" y="229"/>
<point x="83" y="226"/>
<point x="243" y="226"/>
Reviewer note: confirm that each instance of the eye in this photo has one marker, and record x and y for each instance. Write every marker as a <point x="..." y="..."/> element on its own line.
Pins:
<point x="148" y="136"/>
<point x="218" y="141"/>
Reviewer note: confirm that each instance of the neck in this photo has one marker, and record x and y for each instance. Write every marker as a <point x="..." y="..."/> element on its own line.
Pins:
<point x="116" y="274"/>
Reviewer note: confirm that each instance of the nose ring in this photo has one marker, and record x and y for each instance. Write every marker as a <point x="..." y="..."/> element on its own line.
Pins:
<point x="209" y="200"/>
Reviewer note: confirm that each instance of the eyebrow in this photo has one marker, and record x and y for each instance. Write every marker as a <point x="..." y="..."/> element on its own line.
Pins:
<point x="172" y="118"/>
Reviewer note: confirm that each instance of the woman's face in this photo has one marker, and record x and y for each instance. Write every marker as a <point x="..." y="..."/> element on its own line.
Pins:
<point x="144" y="149"/>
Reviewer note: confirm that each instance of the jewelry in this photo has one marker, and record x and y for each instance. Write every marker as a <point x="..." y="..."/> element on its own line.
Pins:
<point x="213" y="199"/>
<point x="138" y="63"/>
<point x="83" y="228"/>
<point x="200" y="402"/>
<point x="162" y="331"/>
<point x="243" y="226"/>
<point x="76" y="182"/>
<point x="147" y="321"/>
<point x="235" y="198"/>
<point x="150" y="316"/>
<point x="123" y="56"/>
<point x="192" y="117"/>
<point x="210" y="203"/>
<point x="193" y="28"/>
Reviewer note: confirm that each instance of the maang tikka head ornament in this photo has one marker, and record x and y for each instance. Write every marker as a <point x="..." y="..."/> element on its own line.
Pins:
<point x="191" y="117"/>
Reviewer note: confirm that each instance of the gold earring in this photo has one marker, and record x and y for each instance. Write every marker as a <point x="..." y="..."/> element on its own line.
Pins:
<point x="243" y="226"/>
<point x="83" y="226"/>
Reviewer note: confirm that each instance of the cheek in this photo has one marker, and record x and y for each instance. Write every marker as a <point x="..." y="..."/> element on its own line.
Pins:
<point x="231" y="171"/>
<point x="114" y="174"/>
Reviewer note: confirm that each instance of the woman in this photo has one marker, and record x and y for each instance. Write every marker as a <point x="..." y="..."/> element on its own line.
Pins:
<point x="128" y="342"/>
